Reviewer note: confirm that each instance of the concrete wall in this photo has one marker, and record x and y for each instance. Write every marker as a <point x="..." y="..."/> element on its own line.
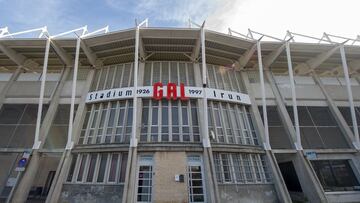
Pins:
<point x="47" y="164"/>
<point x="66" y="91"/>
<point x="254" y="193"/>
<point x="91" y="193"/>
<point x="167" y="165"/>
<point x="308" y="92"/>
<point x="337" y="92"/>
<point x="30" y="89"/>
<point x="351" y="196"/>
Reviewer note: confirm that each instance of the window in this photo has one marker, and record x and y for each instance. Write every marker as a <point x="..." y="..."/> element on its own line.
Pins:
<point x="278" y="136"/>
<point x="144" y="178"/>
<point x="345" y="111"/>
<point x="98" y="168"/>
<point x="109" y="122"/>
<point x="241" y="168"/>
<point x="230" y="123"/>
<point x="318" y="128"/>
<point x="164" y="121"/>
<point x="165" y="72"/>
<point x="220" y="77"/>
<point x="335" y="175"/>
<point x="195" y="179"/>
<point x="114" y="76"/>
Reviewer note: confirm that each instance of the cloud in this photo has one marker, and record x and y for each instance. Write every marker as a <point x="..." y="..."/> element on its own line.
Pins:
<point x="23" y="14"/>
<point x="277" y="16"/>
<point x="174" y="13"/>
<point x="177" y="11"/>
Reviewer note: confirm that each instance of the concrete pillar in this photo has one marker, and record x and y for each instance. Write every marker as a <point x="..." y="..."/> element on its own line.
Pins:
<point x="4" y="91"/>
<point x="309" y="182"/>
<point x="65" y="161"/>
<point x="284" y="115"/>
<point x="24" y="185"/>
<point x="307" y="177"/>
<point x="278" y="180"/>
<point x="129" y="193"/>
<point x="209" y="166"/>
<point x="345" y="129"/>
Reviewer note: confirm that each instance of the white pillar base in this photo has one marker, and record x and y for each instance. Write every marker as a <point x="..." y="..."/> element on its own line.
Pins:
<point x="356" y="145"/>
<point x="266" y="146"/>
<point x="206" y="143"/>
<point x="36" y="145"/>
<point x="69" y="146"/>
<point x="298" y="146"/>
<point x="133" y="142"/>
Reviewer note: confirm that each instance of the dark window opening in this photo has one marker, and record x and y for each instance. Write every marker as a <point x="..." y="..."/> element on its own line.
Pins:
<point x="336" y="175"/>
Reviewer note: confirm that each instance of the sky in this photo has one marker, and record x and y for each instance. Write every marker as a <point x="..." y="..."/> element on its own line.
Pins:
<point x="273" y="17"/>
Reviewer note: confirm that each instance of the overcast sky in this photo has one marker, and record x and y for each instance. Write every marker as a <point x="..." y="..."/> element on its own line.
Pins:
<point x="274" y="17"/>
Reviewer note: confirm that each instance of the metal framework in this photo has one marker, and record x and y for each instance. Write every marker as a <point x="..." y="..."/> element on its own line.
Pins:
<point x="263" y="64"/>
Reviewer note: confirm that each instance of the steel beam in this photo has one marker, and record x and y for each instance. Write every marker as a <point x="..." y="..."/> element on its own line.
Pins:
<point x="70" y="143"/>
<point x="89" y="53"/>
<point x="245" y="58"/>
<point x="63" y="55"/>
<point x="350" y="96"/>
<point x="37" y="141"/>
<point x="197" y="48"/>
<point x="206" y="139"/>
<point x="133" y="140"/>
<point x="315" y="62"/>
<point x="293" y="97"/>
<point x="17" y="58"/>
<point x="263" y="97"/>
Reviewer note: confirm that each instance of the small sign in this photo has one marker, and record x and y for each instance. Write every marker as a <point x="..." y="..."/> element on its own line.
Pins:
<point x="22" y="162"/>
<point x="311" y="155"/>
<point x="11" y="182"/>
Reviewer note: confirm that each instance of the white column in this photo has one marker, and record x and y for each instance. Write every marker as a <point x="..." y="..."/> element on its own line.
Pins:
<point x="293" y="97"/>
<point x="356" y="141"/>
<point x="37" y="142"/>
<point x="263" y="97"/>
<point x="70" y="143"/>
<point x="206" y="139"/>
<point x="133" y="140"/>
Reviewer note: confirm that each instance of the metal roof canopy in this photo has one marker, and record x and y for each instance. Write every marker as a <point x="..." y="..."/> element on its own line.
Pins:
<point x="180" y="44"/>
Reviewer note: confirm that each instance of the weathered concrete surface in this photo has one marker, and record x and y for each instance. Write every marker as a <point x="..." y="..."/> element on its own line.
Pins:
<point x="166" y="189"/>
<point x="91" y="193"/>
<point x="348" y="196"/>
<point x="256" y="193"/>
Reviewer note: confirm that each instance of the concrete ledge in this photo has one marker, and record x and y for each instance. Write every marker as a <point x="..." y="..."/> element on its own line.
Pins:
<point x="236" y="193"/>
<point x="101" y="148"/>
<point x="80" y="193"/>
<point x="347" y="196"/>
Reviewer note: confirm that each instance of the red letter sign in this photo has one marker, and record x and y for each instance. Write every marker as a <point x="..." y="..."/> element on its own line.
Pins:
<point x="171" y="91"/>
<point x="158" y="91"/>
<point x="182" y="92"/>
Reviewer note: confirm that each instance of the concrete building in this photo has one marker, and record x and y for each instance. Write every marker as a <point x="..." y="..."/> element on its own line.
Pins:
<point x="178" y="115"/>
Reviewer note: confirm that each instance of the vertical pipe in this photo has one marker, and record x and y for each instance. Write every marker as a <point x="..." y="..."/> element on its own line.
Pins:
<point x="351" y="101"/>
<point x="261" y="73"/>
<point x="133" y="140"/>
<point x="70" y="143"/>
<point x="293" y="97"/>
<point x="41" y="97"/>
<point x="206" y="140"/>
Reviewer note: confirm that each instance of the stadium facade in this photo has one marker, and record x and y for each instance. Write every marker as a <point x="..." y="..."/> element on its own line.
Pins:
<point x="178" y="115"/>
